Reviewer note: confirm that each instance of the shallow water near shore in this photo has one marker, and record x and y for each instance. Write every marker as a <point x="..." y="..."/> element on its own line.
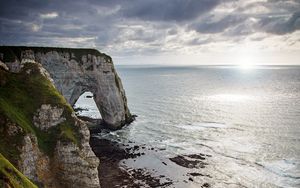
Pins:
<point x="247" y="122"/>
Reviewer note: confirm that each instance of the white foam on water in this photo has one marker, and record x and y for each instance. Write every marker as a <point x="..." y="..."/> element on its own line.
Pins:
<point x="210" y="125"/>
<point x="89" y="106"/>
<point x="199" y="126"/>
<point x="286" y="167"/>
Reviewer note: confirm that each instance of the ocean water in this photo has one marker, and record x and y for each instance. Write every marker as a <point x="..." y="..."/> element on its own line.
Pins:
<point x="248" y="120"/>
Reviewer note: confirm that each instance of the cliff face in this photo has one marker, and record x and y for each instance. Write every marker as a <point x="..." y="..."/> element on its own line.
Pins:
<point x="75" y="71"/>
<point x="14" y="178"/>
<point x="39" y="132"/>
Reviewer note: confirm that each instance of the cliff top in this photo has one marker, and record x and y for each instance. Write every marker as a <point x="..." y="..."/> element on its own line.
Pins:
<point x="11" y="52"/>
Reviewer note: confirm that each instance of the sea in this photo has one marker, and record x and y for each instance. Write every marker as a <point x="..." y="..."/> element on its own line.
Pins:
<point x="247" y="120"/>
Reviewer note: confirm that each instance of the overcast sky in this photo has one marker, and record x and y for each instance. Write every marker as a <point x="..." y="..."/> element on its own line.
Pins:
<point x="160" y="31"/>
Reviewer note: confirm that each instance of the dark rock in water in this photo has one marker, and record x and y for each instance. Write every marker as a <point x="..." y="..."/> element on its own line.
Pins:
<point x="196" y="156"/>
<point x="205" y="185"/>
<point x="80" y="109"/>
<point x="135" y="147"/>
<point x="184" y="162"/>
<point x="198" y="174"/>
<point x="111" y="175"/>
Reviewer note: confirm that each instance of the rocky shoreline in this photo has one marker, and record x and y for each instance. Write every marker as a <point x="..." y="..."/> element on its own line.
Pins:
<point x="114" y="170"/>
<point x="112" y="174"/>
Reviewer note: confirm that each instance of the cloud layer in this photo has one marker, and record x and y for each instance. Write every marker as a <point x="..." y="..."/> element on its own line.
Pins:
<point x="127" y="27"/>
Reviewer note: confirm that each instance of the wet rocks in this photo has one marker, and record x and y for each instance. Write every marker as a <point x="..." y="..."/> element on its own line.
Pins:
<point x="184" y="161"/>
<point x="111" y="174"/>
<point x="195" y="174"/>
<point x="147" y="179"/>
<point x="205" y="185"/>
<point x="197" y="156"/>
<point x="193" y="161"/>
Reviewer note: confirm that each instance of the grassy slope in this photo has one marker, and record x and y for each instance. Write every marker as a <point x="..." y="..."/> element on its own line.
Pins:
<point x="13" y="177"/>
<point x="21" y="94"/>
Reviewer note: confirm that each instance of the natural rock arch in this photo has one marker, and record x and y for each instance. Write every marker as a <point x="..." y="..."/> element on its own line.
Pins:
<point x="75" y="71"/>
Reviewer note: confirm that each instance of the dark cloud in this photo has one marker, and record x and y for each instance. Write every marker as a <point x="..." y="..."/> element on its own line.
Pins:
<point x="168" y="10"/>
<point x="129" y="26"/>
<point x="211" y="25"/>
<point x="198" y="41"/>
<point x="279" y="19"/>
<point x="172" y="31"/>
<point x="281" y="25"/>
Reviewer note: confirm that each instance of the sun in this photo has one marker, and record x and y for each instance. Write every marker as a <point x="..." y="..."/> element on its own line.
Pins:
<point x="247" y="58"/>
<point x="246" y="66"/>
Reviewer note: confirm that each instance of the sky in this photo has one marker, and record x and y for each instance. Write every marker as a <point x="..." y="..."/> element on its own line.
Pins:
<point x="182" y="32"/>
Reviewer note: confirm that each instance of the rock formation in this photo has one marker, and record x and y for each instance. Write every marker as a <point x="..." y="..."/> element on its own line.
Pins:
<point x="40" y="134"/>
<point x="75" y="71"/>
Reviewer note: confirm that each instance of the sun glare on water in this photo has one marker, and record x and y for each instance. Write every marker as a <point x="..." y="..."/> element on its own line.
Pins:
<point x="231" y="97"/>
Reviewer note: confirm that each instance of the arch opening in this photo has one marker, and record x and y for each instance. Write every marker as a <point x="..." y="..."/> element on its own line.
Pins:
<point x="86" y="106"/>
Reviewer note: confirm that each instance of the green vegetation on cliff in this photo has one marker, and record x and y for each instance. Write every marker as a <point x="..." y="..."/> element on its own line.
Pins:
<point x="21" y="94"/>
<point x="11" y="177"/>
<point x="13" y="52"/>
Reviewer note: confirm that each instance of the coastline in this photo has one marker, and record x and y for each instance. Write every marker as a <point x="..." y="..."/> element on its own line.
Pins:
<point x="119" y="166"/>
<point x="112" y="174"/>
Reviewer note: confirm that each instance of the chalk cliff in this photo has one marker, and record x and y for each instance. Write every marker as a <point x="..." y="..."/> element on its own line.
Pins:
<point x="75" y="71"/>
<point x="40" y="136"/>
